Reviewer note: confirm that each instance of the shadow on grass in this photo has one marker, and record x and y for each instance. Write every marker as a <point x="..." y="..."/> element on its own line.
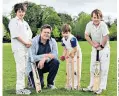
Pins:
<point x="48" y="92"/>
<point x="62" y="92"/>
<point x="9" y="91"/>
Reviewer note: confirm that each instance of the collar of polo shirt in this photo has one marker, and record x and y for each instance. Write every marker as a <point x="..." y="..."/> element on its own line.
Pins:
<point x="98" y="25"/>
<point x="46" y="41"/>
<point x="18" y="18"/>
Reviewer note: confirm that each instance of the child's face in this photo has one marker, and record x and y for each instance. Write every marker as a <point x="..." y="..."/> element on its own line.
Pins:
<point x="20" y="14"/>
<point x="65" y="34"/>
<point x="96" y="20"/>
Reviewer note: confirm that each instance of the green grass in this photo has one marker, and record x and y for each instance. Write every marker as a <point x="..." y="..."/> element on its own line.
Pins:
<point x="9" y="74"/>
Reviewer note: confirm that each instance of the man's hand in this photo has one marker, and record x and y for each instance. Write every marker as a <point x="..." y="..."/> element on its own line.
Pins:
<point x="41" y="63"/>
<point x="51" y="56"/>
<point x="28" y="44"/>
<point x="96" y="44"/>
<point x="46" y="56"/>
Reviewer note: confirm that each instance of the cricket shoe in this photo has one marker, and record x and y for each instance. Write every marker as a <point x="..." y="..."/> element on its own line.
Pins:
<point x="49" y="86"/>
<point x="68" y="87"/>
<point x="23" y="91"/>
<point x="98" y="92"/>
<point x="87" y="89"/>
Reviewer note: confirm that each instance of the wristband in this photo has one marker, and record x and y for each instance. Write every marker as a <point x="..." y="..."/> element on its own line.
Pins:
<point x="101" y="46"/>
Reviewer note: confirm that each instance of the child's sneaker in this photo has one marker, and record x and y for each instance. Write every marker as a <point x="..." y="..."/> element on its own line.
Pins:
<point x="87" y="89"/>
<point x="99" y="91"/>
<point x="68" y="88"/>
<point x="23" y="91"/>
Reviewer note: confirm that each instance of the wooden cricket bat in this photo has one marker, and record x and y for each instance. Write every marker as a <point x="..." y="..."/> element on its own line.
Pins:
<point x="67" y="73"/>
<point x="35" y="74"/>
<point x="72" y="69"/>
<point x="72" y="73"/>
<point x="78" y="70"/>
<point x="97" y="73"/>
<point x="67" y="70"/>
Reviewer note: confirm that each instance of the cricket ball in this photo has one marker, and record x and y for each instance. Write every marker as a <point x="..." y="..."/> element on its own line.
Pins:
<point x="62" y="58"/>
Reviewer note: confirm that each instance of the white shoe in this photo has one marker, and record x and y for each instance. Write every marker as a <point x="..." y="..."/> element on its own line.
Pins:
<point x="87" y="89"/>
<point x="99" y="91"/>
<point x="23" y="91"/>
<point x="68" y="87"/>
<point x="51" y="86"/>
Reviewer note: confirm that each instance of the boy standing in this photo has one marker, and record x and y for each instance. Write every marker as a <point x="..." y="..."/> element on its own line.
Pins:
<point x="72" y="54"/>
<point x="96" y="34"/>
<point x="21" y="36"/>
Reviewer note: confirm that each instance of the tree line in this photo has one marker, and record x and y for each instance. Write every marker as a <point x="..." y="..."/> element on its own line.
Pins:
<point x="37" y="15"/>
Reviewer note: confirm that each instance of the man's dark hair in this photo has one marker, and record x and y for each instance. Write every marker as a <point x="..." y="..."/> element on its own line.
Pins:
<point x="97" y="12"/>
<point x="19" y="6"/>
<point x="46" y="26"/>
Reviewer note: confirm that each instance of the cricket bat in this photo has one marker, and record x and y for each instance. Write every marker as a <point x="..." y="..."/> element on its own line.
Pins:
<point x="72" y="69"/>
<point x="67" y="73"/>
<point x="35" y="74"/>
<point x="78" y="70"/>
<point x="72" y="73"/>
<point x="97" y="73"/>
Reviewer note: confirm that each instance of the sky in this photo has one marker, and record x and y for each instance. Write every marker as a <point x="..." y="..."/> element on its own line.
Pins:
<point x="72" y="7"/>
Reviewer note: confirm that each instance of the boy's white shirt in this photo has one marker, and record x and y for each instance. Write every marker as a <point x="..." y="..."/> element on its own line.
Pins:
<point x="68" y="43"/>
<point x="97" y="33"/>
<point x="19" y="28"/>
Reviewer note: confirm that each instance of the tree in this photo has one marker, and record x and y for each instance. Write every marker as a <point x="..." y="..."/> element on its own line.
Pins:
<point x="56" y="32"/>
<point x="108" y="21"/>
<point x="80" y="15"/>
<point x="6" y="35"/>
<point x="82" y="20"/>
<point x="5" y="23"/>
<point x="113" y="32"/>
<point x="65" y="18"/>
<point x="6" y="32"/>
<point x="33" y="16"/>
<point x="51" y="17"/>
<point x="115" y="21"/>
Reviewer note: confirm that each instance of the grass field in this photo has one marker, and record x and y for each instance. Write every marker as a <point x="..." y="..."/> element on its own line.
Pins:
<point x="9" y="74"/>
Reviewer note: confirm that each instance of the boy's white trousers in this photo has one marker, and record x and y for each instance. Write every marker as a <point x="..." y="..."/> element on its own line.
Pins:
<point x="21" y="61"/>
<point x="104" y="57"/>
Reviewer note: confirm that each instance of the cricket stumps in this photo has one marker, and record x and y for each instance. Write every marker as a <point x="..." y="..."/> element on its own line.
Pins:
<point x="73" y="73"/>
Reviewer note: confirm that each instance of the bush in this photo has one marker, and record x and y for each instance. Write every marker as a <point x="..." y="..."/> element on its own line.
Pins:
<point x="113" y="32"/>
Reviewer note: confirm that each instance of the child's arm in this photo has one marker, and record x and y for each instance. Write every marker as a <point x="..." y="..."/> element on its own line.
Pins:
<point x="73" y="51"/>
<point x="27" y="44"/>
<point x="104" y="41"/>
<point x="95" y="45"/>
<point x="64" y="52"/>
<point x="105" y="35"/>
<point x="74" y="47"/>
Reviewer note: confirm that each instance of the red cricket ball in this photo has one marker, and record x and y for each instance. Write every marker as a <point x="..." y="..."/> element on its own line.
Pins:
<point x="62" y="58"/>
